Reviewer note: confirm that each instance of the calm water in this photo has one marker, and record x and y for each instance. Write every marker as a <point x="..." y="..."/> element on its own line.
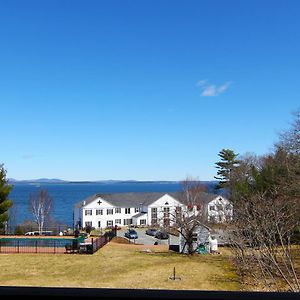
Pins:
<point x="67" y="194"/>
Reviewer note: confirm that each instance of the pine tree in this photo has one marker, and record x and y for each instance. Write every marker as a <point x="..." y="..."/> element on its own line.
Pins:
<point x="226" y="167"/>
<point x="5" y="203"/>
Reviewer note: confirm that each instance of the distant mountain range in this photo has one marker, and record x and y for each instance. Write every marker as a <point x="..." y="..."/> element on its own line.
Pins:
<point x="56" y="180"/>
<point x="40" y="180"/>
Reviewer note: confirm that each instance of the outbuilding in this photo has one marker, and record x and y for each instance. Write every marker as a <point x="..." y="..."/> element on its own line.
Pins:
<point x="201" y="240"/>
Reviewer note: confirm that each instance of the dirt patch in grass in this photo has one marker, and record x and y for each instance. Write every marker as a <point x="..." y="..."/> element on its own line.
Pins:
<point x="119" y="240"/>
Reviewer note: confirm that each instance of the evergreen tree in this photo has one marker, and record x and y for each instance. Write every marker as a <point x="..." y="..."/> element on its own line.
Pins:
<point x="5" y="203"/>
<point x="226" y="167"/>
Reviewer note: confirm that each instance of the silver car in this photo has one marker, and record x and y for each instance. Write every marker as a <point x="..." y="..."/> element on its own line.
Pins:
<point x="131" y="234"/>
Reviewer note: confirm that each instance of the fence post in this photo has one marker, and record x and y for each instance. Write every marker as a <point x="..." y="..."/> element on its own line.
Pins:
<point x="36" y="246"/>
<point x="54" y="246"/>
<point x="18" y="246"/>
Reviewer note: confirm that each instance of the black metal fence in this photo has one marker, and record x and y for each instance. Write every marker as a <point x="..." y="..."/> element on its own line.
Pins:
<point x="36" y="244"/>
<point x="99" y="242"/>
<point x="53" y="245"/>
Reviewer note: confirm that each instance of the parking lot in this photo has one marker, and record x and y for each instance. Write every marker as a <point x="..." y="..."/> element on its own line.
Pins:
<point x="145" y="239"/>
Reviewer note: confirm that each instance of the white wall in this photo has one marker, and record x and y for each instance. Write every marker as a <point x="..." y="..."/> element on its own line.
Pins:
<point x="104" y="205"/>
<point x="165" y="201"/>
<point x="222" y="211"/>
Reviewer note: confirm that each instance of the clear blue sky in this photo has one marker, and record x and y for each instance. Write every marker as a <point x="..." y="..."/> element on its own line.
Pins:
<point x="145" y="90"/>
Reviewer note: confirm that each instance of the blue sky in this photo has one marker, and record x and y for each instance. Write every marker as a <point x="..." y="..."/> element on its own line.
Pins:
<point x="145" y="90"/>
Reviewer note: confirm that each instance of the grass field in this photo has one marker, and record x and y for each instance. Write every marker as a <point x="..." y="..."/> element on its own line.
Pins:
<point x="119" y="265"/>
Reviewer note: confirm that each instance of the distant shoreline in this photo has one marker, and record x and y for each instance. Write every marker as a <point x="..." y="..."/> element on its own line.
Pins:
<point x="44" y="181"/>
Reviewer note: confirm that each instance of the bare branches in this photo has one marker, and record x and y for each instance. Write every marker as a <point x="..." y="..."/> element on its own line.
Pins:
<point x="41" y="206"/>
<point x="264" y="223"/>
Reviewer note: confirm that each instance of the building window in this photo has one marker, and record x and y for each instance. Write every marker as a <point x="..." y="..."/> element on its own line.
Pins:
<point x="136" y="209"/>
<point x="118" y="221"/>
<point x="109" y="223"/>
<point x="142" y="222"/>
<point x="154" y="212"/>
<point x="118" y="210"/>
<point x="88" y="212"/>
<point x="212" y="207"/>
<point x="154" y="221"/>
<point x="127" y="210"/>
<point x="166" y="212"/>
<point x="88" y="223"/>
<point x="99" y="224"/>
<point x="99" y="211"/>
<point x="194" y="237"/>
<point x="166" y="222"/>
<point x="110" y="211"/>
<point x="127" y="221"/>
<point x="178" y="211"/>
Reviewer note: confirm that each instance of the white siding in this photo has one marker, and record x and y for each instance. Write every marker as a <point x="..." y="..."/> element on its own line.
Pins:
<point x="219" y="210"/>
<point x="161" y="205"/>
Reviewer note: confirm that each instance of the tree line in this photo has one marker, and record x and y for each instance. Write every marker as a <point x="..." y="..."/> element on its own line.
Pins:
<point x="265" y="193"/>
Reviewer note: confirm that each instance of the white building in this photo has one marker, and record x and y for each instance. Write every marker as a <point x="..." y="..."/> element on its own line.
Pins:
<point x="219" y="209"/>
<point x="140" y="209"/>
<point x="105" y="210"/>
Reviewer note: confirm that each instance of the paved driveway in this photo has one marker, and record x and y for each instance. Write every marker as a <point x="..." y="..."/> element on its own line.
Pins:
<point x="145" y="239"/>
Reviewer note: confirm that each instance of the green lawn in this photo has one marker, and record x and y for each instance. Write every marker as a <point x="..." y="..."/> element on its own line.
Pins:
<point x="120" y="266"/>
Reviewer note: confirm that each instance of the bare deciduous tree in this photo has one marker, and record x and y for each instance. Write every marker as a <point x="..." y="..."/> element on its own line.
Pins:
<point x="186" y="219"/>
<point x="41" y="206"/>
<point x="266" y="207"/>
<point x="261" y="240"/>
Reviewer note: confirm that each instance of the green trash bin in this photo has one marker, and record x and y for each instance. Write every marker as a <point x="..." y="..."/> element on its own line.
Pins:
<point x="201" y="249"/>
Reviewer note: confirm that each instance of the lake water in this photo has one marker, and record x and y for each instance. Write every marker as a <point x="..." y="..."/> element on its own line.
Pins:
<point x="65" y="195"/>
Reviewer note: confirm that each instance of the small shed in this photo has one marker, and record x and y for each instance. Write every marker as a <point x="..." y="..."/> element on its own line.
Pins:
<point x="201" y="234"/>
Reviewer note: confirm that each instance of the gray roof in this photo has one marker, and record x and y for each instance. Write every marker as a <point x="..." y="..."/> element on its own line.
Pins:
<point x="139" y="215"/>
<point x="135" y="199"/>
<point x="126" y="199"/>
<point x="202" y="197"/>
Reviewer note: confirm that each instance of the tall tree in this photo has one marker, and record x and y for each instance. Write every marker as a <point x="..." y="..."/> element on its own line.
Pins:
<point x="187" y="218"/>
<point x="5" y="203"/>
<point x="226" y="167"/>
<point x="192" y="190"/>
<point x="266" y="194"/>
<point x="290" y="138"/>
<point x="41" y="206"/>
<point x="266" y="215"/>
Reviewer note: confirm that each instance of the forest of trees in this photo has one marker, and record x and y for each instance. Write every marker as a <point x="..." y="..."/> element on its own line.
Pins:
<point x="265" y="193"/>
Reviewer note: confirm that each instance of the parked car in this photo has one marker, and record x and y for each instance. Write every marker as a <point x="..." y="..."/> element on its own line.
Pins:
<point x="131" y="234"/>
<point x="151" y="231"/>
<point x="162" y="235"/>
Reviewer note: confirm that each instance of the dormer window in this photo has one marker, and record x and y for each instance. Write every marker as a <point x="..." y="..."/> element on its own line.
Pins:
<point x="167" y="203"/>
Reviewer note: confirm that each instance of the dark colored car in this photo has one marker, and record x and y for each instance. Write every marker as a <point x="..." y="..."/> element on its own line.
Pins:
<point x="131" y="234"/>
<point x="151" y="231"/>
<point x="162" y="235"/>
